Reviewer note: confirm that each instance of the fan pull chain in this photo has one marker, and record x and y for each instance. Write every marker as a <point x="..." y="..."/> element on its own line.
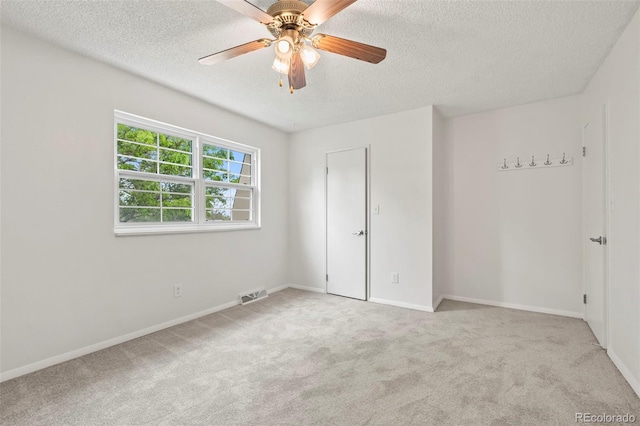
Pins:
<point x="291" y="89"/>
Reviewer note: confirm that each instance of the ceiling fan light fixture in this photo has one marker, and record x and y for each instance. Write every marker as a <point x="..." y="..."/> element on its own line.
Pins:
<point x="284" y="47"/>
<point x="281" y="65"/>
<point x="309" y="56"/>
<point x="291" y="23"/>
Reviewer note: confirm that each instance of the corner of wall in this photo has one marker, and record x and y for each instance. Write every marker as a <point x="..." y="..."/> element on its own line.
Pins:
<point x="440" y="207"/>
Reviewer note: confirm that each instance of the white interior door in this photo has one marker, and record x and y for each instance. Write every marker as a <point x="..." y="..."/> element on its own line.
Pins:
<point x="347" y="223"/>
<point x="594" y="207"/>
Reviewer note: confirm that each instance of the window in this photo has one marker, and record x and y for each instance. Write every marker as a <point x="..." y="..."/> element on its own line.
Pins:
<point x="170" y="179"/>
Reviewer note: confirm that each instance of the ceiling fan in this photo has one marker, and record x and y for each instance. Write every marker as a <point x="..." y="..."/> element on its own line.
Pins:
<point x="291" y="22"/>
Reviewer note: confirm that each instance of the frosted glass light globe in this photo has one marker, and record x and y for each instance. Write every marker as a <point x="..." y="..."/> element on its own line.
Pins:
<point x="280" y="65"/>
<point x="283" y="46"/>
<point x="309" y="56"/>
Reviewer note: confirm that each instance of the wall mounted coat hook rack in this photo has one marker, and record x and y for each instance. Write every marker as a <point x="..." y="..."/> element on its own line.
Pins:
<point x="551" y="162"/>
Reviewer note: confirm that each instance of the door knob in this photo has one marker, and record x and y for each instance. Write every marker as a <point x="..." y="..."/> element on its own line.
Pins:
<point x="599" y="240"/>
<point x="360" y="232"/>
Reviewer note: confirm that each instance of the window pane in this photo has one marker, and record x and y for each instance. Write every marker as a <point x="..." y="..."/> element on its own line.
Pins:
<point x="139" y="193"/>
<point x="139" y="214"/>
<point x="175" y="142"/>
<point x="215" y="164"/>
<point x="238" y="215"/>
<point x="128" y="163"/>
<point x="152" y="201"/>
<point x="176" y="215"/>
<point x="137" y="135"/>
<point x="218" y="202"/>
<point x="216" y="167"/>
<point x="139" y="184"/>
<point x="219" y="192"/>
<point x="139" y="199"/>
<point x="240" y="168"/>
<point x="219" y="215"/>
<point x="240" y="173"/>
<point x="217" y="198"/>
<point x="175" y="157"/>
<point x="228" y="215"/>
<point x="242" y="205"/>
<point x="136" y="150"/>
<point x="176" y="187"/>
<point x="228" y="204"/>
<point x="243" y="194"/>
<point x="173" y="170"/>
<point x="214" y="151"/>
<point x="175" y="200"/>
<point x="215" y="176"/>
<point x="240" y="157"/>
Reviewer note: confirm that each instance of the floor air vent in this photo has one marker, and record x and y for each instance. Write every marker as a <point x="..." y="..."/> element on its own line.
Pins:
<point x="253" y="296"/>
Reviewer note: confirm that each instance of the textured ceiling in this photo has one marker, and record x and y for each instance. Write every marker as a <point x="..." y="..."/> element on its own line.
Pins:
<point x="464" y="56"/>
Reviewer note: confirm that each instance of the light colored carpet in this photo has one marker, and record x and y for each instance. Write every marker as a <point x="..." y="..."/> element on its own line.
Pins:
<point x="304" y="358"/>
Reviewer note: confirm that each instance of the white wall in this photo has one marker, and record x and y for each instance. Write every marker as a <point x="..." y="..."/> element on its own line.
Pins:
<point x="617" y="84"/>
<point x="442" y="180"/>
<point x="401" y="156"/>
<point x="516" y="236"/>
<point x="67" y="281"/>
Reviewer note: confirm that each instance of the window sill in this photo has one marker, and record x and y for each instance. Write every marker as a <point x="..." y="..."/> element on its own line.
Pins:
<point x="121" y="231"/>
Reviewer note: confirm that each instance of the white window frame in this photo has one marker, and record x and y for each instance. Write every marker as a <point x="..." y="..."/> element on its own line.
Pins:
<point x="199" y="224"/>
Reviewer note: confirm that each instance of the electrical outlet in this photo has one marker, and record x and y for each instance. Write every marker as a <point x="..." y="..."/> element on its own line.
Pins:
<point x="177" y="290"/>
<point x="395" y="278"/>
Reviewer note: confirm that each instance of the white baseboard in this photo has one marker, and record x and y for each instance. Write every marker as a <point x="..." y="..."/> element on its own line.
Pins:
<point x="516" y="306"/>
<point x="438" y="302"/>
<point x="39" y="365"/>
<point x="277" y="289"/>
<point x="634" y="382"/>
<point x="306" y="288"/>
<point x="422" y="308"/>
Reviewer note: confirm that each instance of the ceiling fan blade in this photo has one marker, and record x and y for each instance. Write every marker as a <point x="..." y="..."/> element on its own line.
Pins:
<point x="349" y="48"/>
<point x="235" y="51"/>
<point x="296" y="72"/>
<point x="248" y="9"/>
<point x="321" y="10"/>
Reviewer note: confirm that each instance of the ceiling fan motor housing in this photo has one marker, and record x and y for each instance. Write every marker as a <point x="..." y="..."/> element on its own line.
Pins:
<point x="287" y="15"/>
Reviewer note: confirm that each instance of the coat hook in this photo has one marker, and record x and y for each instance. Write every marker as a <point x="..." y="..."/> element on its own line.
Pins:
<point x="504" y="165"/>
<point x="564" y="161"/>
<point x="518" y="165"/>
<point x="533" y="161"/>
<point x="547" y="163"/>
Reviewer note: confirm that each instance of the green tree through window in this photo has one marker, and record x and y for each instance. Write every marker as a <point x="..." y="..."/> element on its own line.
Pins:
<point x="154" y="200"/>
<point x="158" y="182"/>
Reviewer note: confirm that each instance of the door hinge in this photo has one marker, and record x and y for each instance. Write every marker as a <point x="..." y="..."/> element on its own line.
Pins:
<point x="327" y="170"/>
<point x="584" y="299"/>
<point x="584" y="151"/>
<point x="327" y="277"/>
